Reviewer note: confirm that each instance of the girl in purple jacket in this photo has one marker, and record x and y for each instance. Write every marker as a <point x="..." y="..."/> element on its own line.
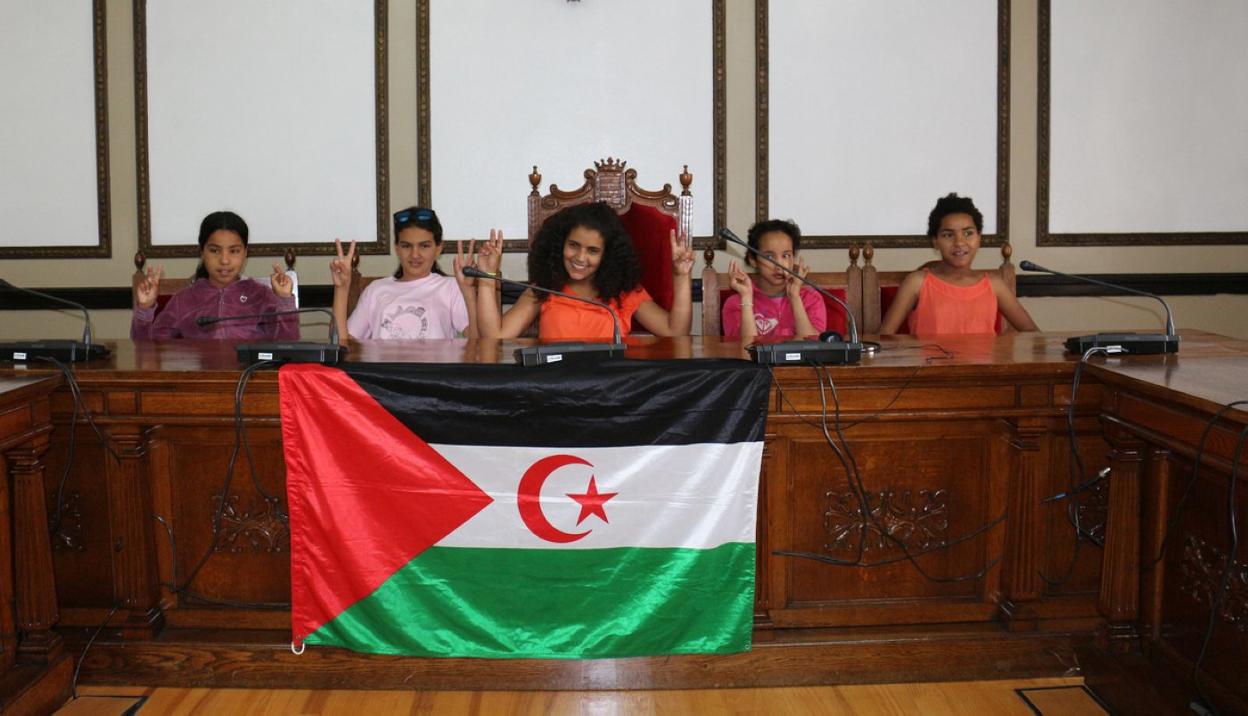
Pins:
<point x="219" y="289"/>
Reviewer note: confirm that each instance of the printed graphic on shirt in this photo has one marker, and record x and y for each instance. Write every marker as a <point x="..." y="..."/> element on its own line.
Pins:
<point x="404" y="322"/>
<point x="764" y="325"/>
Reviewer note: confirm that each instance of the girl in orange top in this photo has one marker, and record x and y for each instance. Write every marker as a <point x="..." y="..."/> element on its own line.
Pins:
<point x="584" y="250"/>
<point x="952" y="297"/>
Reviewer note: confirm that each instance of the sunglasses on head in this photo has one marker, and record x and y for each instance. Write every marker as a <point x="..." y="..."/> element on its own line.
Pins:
<point x="408" y="216"/>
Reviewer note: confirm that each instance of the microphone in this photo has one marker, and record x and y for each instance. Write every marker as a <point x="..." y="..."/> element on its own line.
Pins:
<point x="829" y="349"/>
<point x="63" y="350"/>
<point x="1132" y="343"/>
<point x="285" y="351"/>
<point x="557" y="352"/>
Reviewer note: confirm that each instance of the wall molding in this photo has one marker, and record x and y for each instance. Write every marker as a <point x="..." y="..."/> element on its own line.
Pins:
<point x="100" y="298"/>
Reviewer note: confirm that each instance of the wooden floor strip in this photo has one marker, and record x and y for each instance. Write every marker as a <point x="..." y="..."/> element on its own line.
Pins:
<point x="1024" y="697"/>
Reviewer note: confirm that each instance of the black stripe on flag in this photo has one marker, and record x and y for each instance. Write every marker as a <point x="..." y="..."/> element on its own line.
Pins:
<point x="609" y="404"/>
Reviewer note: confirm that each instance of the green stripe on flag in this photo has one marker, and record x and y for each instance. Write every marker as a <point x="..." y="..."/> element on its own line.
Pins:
<point x="560" y="603"/>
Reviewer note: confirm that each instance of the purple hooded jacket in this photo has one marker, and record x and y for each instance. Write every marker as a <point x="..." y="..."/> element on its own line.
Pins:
<point x="243" y="297"/>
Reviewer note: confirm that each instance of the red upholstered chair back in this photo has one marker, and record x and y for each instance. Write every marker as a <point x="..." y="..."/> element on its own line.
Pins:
<point x="648" y="216"/>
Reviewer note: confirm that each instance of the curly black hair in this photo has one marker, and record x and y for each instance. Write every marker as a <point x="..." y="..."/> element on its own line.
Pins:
<point x="620" y="269"/>
<point x="951" y="203"/>
<point x="788" y="228"/>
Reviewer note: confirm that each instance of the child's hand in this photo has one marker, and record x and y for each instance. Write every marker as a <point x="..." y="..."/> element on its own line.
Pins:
<point x="682" y="257"/>
<point x="490" y="257"/>
<point x="461" y="260"/>
<point x="340" y="268"/>
<point x="739" y="280"/>
<point x="281" y="283"/>
<point x="791" y="285"/>
<point x="146" y="291"/>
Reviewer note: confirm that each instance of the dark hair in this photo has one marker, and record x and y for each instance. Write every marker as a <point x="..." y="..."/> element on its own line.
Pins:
<point x="788" y="228"/>
<point x="421" y="218"/>
<point x="619" y="269"/>
<point x="951" y="203"/>
<point x="214" y="222"/>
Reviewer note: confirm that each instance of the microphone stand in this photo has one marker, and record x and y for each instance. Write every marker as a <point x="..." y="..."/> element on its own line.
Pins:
<point x="1131" y="343"/>
<point x="63" y="350"/>
<point x="559" y="352"/>
<point x="833" y="351"/>
<point x="285" y="351"/>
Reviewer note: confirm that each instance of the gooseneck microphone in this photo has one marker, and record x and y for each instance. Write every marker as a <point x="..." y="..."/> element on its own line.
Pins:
<point x="833" y="351"/>
<point x="557" y="352"/>
<point x="1136" y="343"/>
<point x="64" y="350"/>
<point x="285" y="351"/>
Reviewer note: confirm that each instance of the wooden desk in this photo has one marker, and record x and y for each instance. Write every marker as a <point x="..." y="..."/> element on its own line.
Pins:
<point x="1156" y="410"/>
<point x="34" y="667"/>
<point x="958" y="440"/>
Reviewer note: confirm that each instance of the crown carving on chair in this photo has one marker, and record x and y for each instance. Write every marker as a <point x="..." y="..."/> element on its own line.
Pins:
<point x="610" y="164"/>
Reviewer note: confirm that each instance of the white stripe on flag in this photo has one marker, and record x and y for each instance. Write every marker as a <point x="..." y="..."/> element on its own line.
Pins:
<point x="685" y="496"/>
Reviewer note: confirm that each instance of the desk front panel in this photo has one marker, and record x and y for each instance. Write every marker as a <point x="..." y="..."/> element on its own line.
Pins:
<point x="953" y="460"/>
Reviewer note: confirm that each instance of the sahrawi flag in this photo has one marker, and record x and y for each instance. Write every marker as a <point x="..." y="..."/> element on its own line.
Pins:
<point x="494" y="511"/>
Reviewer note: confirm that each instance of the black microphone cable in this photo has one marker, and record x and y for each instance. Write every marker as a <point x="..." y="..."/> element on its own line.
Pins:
<point x="243" y="378"/>
<point x="857" y="489"/>
<point x="80" y="406"/>
<point x="856" y="476"/>
<point x="1224" y="582"/>
<point x="1078" y="485"/>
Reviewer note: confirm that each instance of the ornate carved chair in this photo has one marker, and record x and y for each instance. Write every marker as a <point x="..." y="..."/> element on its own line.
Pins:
<point x="880" y="287"/>
<point x="170" y="286"/>
<point x="649" y="216"/>
<point x="845" y="285"/>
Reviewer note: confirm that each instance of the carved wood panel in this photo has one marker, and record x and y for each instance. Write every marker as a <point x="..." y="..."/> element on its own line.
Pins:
<point x="81" y="554"/>
<point x="927" y="485"/>
<point x="253" y="535"/>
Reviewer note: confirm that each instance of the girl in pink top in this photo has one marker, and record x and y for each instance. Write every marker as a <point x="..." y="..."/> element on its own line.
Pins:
<point x="774" y="304"/>
<point x="419" y="301"/>
<point x="952" y="297"/>
<point x="219" y="289"/>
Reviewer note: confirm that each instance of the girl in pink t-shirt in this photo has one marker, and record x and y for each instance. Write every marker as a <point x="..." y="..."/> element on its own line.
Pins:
<point x="773" y="304"/>
<point x="418" y="301"/>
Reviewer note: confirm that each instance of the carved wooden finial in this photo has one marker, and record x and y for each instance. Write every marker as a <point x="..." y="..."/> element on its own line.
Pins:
<point x="139" y="260"/>
<point x="535" y="179"/>
<point x="1006" y="251"/>
<point x="355" y="261"/>
<point x="685" y="180"/>
<point x="289" y="256"/>
<point x="854" y="251"/>
<point x="868" y="253"/>
<point x="708" y="255"/>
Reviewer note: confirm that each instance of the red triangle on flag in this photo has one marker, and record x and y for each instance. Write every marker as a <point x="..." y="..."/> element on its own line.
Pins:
<point x="366" y="495"/>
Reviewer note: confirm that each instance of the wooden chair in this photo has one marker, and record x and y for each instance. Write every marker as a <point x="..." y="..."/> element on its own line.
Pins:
<point x="846" y="285"/>
<point x="649" y="216"/>
<point x="170" y="286"/>
<point x="880" y="287"/>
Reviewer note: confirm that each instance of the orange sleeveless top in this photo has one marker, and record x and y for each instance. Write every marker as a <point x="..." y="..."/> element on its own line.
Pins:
<point x="564" y="319"/>
<point x="945" y="308"/>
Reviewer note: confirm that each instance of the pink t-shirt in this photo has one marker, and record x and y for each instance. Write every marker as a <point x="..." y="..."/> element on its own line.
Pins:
<point x="773" y="316"/>
<point x="429" y="307"/>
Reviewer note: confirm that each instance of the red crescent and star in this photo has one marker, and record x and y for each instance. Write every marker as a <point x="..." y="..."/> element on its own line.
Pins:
<point x="529" y="499"/>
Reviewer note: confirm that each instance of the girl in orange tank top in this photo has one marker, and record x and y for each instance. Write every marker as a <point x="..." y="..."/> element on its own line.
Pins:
<point x="949" y="296"/>
<point x="584" y="250"/>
